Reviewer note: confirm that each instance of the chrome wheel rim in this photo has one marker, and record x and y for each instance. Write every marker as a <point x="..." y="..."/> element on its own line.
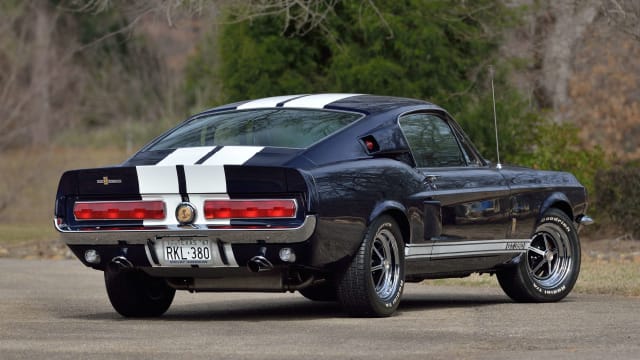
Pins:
<point x="549" y="257"/>
<point x="385" y="264"/>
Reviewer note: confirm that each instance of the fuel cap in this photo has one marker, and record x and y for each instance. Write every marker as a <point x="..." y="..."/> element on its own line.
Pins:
<point x="185" y="213"/>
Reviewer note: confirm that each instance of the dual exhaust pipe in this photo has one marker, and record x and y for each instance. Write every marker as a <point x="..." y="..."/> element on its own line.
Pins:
<point x="259" y="262"/>
<point x="256" y="264"/>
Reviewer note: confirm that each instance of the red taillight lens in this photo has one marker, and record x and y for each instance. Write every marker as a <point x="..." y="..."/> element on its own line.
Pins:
<point x="249" y="209"/>
<point x="119" y="210"/>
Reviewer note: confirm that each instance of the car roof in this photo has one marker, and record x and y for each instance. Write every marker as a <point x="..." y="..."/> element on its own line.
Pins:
<point x="362" y="103"/>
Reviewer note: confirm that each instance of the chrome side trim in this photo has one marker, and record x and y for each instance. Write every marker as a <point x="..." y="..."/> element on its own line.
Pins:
<point x="456" y="249"/>
<point x="234" y="236"/>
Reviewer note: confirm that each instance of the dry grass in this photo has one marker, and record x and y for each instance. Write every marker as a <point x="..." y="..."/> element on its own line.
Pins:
<point x="14" y="234"/>
<point x="28" y="182"/>
<point x="610" y="277"/>
<point x="613" y="277"/>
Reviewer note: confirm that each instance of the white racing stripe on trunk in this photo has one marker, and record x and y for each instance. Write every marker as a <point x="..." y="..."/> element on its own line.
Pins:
<point x="233" y="155"/>
<point x="317" y="101"/>
<point x="157" y="179"/>
<point x="205" y="179"/>
<point x="266" y="102"/>
<point x="186" y="156"/>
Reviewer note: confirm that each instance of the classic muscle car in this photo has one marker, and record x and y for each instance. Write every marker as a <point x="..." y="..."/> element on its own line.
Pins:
<point x="342" y="197"/>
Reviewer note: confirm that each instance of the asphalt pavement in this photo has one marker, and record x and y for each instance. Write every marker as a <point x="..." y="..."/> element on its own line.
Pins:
<point x="59" y="310"/>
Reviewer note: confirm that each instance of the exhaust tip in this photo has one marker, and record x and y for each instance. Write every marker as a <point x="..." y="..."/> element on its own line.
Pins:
<point x="121" y="262"/>
<point x="259" y="263"/>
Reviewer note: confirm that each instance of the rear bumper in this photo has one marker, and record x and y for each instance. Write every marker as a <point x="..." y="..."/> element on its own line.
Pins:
<point x="236" y="258"/>
<point x="98" y="236"/>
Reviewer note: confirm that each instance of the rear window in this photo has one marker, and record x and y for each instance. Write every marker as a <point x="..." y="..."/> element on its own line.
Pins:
<point x="293" y="128"/>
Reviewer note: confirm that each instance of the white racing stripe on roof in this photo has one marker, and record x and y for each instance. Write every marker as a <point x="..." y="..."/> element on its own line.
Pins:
<point x="317" y="101"/>
<point x="266" y="102"/>
<point x="233" y="155"/>
<point x="186" y="156"/>
<point x="158" y="179"/>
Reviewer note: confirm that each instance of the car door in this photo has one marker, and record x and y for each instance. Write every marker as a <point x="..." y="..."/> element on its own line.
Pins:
<point x="469" y="199"/>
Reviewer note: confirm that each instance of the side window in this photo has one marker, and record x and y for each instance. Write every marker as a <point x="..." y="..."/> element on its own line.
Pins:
<point x="432" y="141"/>
<point x="468" y="154"/>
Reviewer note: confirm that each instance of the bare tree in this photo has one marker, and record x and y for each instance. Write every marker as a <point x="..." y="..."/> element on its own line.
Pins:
<point x="35" y="74"/>
<point x="624" y="15"/>
<point x="45" y="86"/>
<point x="299" y="16"/>
<point x="40" y="79"/>
<point x="566" y="23"/>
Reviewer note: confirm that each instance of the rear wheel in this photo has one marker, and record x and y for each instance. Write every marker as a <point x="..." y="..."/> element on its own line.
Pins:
<point x="372" y="284"/>
<point x="135" y="294"/>
<point x="550" y="266"/>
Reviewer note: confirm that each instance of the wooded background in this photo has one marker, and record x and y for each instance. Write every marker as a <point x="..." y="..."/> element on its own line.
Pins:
<point x="86" y="83"/>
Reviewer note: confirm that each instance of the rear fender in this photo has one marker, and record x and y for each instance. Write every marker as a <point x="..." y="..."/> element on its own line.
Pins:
<point x="397" y="211"/>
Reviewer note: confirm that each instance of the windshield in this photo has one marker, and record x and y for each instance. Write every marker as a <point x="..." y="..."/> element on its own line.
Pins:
<point x="294" y="128"/>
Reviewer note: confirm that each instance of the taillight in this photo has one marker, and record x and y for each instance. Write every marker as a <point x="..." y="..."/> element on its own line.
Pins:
<point x="250" y="209"/>
<point x="119" y="210"/>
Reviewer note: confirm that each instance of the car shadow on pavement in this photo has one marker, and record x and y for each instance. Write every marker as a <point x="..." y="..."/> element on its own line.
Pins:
<point x="425" y="302"/>
<point x="288" y="308"/>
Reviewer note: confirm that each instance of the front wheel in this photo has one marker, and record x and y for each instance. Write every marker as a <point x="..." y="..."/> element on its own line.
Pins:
<point x="372" y="284"/>
<point x="135" y="294"/>
<point x="550" y="266"/>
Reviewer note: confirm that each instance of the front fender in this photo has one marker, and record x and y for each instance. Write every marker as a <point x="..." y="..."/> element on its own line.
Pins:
<point x="556" y="200"/>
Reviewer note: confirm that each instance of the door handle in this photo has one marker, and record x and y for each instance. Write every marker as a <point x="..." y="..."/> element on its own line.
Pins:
<point x="430" y="178"/>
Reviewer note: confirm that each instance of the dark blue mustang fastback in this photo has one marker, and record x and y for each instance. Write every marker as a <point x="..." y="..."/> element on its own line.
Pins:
<point x="342" y="197"/>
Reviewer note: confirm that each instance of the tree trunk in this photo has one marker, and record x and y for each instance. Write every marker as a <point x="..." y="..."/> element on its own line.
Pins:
<point x="40" y="76"/>
<point x="570" y="20"/>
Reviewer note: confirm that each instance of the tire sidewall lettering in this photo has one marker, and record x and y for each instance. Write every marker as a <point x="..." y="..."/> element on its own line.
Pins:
<point x="562" y="227"/>
<point x="393" y="302"/>
<point x="549" y="292"/>
<point x="397" y="296"/>
<point x="558" y="221"/>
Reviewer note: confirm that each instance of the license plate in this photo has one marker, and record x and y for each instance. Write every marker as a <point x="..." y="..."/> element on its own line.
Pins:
<point x="187" y="251"/>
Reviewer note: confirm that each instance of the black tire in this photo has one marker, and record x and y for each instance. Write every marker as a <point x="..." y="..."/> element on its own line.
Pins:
<point x="135" y="294"/>
<point x="372" y="284"/>
<point x="549" y="268"/>
<point x="325" y="291"/>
